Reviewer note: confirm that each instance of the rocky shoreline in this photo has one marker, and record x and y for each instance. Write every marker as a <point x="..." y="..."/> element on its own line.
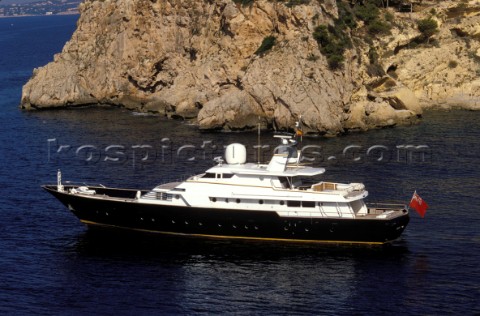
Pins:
<point x="202" y="61"/>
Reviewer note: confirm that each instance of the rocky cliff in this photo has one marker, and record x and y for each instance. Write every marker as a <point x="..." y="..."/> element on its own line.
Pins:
<point x="203" y="60"/>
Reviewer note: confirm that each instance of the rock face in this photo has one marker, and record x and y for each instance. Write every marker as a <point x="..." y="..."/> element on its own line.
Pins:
<point x="196" y="60"/>
<point x="445" y="73"/>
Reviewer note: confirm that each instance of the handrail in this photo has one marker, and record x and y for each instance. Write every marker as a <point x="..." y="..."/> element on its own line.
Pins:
<point x="383" y="205"/>
<point x="386" y="204"/>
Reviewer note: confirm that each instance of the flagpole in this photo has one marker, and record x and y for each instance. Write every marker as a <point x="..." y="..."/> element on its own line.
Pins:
<point x="411" y="199"/>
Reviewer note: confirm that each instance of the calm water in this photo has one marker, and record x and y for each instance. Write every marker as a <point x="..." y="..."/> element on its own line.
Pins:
<point x="51" y="264"/>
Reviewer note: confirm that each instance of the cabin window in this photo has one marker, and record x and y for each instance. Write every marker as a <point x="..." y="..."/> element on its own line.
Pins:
<point x="293" y="203"/>
<point x="209" y="175"/>
<point x="308" y="204"/>
<point x="285" y="183"/>
<point x="227" y="175"/>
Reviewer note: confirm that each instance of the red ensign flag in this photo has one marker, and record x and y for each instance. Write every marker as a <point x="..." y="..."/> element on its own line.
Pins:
<point x="418" y="204"/>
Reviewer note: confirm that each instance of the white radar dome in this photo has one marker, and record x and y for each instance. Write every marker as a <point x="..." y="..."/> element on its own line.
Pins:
<point x="235" y="154"/>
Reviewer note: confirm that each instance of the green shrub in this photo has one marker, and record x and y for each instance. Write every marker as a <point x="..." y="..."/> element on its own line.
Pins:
<point x="378" y="27"/>
<point x="267" y="44"/>
<point x="427" y="27"/>
<point x="332" y="43"/>
<point x="346" y="18"/>
<point x="320" y="34"/>
<point x="367" y="12"/>
<point x="335" y="61"/>
<point x="373" y="55"/>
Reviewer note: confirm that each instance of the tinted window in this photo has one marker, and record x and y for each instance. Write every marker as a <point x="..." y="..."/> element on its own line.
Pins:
<point x="293" y="203"/>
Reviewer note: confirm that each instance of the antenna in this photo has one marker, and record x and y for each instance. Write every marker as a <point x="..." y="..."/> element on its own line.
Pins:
<point x="258" y="157"/>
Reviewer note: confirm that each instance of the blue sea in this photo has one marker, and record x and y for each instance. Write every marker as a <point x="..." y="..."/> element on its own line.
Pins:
<point x="52" y="264"/>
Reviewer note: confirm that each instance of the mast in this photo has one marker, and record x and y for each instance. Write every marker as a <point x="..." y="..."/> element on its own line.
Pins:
<point x="259" y="145"/>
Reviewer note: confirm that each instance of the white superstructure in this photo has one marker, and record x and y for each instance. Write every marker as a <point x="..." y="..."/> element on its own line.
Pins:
<point x="278" y="186"/>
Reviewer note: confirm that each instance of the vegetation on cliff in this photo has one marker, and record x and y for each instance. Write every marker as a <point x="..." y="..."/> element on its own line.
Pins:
<point x="335" y="39"/>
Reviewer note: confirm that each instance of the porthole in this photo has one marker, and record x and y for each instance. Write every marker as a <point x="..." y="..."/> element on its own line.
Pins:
<point x="282" y="203"/>
<point x="177" y="196"/>
<point x="214" y="199"/>
<point x="260" y="202"/>
<point x="226" y="200"/>
<point x="238" y="201"/>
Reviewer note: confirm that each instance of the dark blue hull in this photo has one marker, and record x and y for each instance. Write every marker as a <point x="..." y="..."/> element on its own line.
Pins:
<point x="126" y="213"/>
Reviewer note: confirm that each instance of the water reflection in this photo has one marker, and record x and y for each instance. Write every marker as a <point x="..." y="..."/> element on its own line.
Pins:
<point x="234" y="276"/>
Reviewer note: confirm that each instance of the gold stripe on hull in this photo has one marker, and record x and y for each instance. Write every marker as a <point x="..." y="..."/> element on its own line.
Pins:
<point x="238" y="237"/>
